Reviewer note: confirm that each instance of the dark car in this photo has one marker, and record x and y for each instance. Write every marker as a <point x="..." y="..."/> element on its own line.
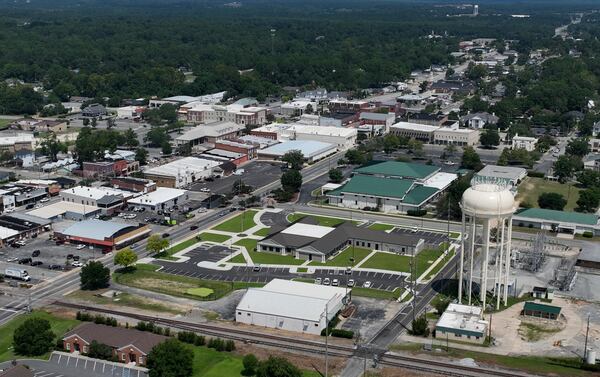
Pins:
<point x="36" y="253"/>
<point x="36" y="263"/>
<point x="70" y="256"/>
<point x="194" y="227"/>
<point x="55" y="267"/>
<point x="15" y="245"/>
<point x="165" y="235"/>
<point x="25" y="261"/>
<point x="29" y="206"/>
<point x="75" y="257"/>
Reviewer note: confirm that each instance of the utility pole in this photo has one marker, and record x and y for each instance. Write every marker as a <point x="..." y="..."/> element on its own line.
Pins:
<point x="326" y="340"/>
<point x="587" y="332"/>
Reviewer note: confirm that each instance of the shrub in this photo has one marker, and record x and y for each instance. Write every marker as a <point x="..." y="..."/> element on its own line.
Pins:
<point x="588" y="234"/>
<point x="250" y="363"/>
<point x="229" y="346"/>
<point x="200" y="340"/>
<point x="339" y="333"/>
<point x="420" y="327"/>
<point x="416" y="212"/>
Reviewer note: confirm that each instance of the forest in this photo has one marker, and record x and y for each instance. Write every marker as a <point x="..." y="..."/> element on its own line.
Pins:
<point x="129" y="49"/>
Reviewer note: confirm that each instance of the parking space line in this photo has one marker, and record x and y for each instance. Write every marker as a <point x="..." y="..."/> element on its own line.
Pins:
<point x="85" y="365"/>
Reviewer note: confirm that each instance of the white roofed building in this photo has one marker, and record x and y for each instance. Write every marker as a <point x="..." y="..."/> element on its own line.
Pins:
<point x="343" y="138"/>
<point x="16" y="142"/>
<point x="291" y="306"/>
<point x="209" y="133"/>
<point x="106" y="198"/>
<point x="161" y="199"/>
<point x="462" y="323"/>
<point x="456" y="136"/>
<point x="422" y="132"/>
<point x="312" y="150"/>
<point x="524" y="142"/>
<point x="182" y="172"/>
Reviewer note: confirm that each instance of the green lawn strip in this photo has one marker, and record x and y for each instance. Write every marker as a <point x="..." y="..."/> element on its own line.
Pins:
<point x="4" y="123"/>
<point x="441" y="264"/>
<point x="263" y="232"/>
<point x="59" y="326"/>
<point x="454" y="234"/>
<point x="377" y="293"/>
<point x="304" y="280"/>
<point x="380" y="226"/>
<point x="343" y="258"/>
<point x="201" y="292"/>
<point x="532" y="364"/>
<point x="388" y="261"/>
<point x="145" y="277"/>
<point x="531" y="188"/>
<point x="239" y="223"/>
<point x="321" y="220"/>
<point x="263" y="257"/>
<point x="211" y="363"/>
<point x="125" y="299"/>
<point x="426" y="258"/>
<point x="214" y="237"/>
<point x="302" y="269"/>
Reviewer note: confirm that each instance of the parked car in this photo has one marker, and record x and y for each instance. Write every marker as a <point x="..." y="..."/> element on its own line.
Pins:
<point x="75" y="257"/>
<point x="204" y="189"/>
<point x="367" y="284"/>
<point x="80" y="246"/>
<point x="326" y="281"/>
<point x="70" y="256"/>
<point x="36" y="263"/>
<point x="25" y="261"/>
<point x="36" y="253"/>
<point x="256" y="268"/>
<point x="44" y="200"/>
<point x="194" y="227"/>
<point x="318" y="281"/>
<point x="55" y="267"/>
<point x="165" y="235"/>
<point x="77" y="264"/>
<point x="20" y="243"/>
<point x="13" y="259"/>
<point x="335" y="282"/>
<point x="351" y="283"/>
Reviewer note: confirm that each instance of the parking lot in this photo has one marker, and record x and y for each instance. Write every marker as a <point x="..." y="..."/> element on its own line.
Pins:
<point x="256" y="174"/>
<point x="430" y="238"/>
<point x="60" y="364"/>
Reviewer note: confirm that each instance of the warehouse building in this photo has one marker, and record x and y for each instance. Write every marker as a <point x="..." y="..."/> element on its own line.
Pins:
<point x="557" y="221"/>
<point x="311" y="150"/>
<point x="66" y="211"/>
<point x="209" y="133"/>
<point x="163" y="198"/>
<point x="391" y="186"/>
<point x="308" y="241"/>
<point x="534" y="309"/>
<point x="18" y="226"/>
<point x="462" y="323"/>
<point x="183" y="172"/>
<point x="105" y="234"/>
<point x="291" y="306"/>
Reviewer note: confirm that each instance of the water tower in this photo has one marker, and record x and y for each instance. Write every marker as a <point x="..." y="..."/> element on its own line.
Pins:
<point x="486" y="205"/>
<point x="475" y="10"/>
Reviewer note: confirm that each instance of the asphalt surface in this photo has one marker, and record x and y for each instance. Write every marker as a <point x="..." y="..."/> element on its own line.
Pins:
<point x="256" y="174"/>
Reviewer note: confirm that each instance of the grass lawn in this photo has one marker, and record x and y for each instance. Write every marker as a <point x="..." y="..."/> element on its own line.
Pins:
<point x="214" y="237"/>
<point x="239" y="223"/>
<point x="555" y="366"/>
<point x="125" y="299"/>
<point x="146" y="277"/>
<point x="377" y="293"/>
<point x="321" y="220"/>
<point x="381" y="226"/>
<point x="177" y="248"/>
<point x="263" y="258"/>
<point x="201" y="292"/>
<point x="211" y="363"/>
<point x="401" y="263"/>
<point x="533" y="333"/>
<point x="531" y="188"/>
<point x="302" y="269"/>
<point x="440" y="265"/>
<point x="59" y="327"/>
<point x="343" y="258"/>
<point x="263" y="232"/>
<point x="4" y="123"/>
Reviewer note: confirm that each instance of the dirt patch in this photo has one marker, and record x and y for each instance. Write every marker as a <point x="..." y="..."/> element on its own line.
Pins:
<point x="535" y="329"/>
<point x="307" y="362"/>
<point x="163" y="284"/>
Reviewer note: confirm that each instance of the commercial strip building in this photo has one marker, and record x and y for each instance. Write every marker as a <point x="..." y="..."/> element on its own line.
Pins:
<point x="161" y="199"/>
<point x="106" y="198"/>
<point x="311" y="150"/>
<point x="66" y="211"/>
<point x="391" y="186"/>
<point x="445" y="135"/>
<point x="308" y="241"/>
<point x="183" y="172"/>
<point x="416" y="131"/>
<point x="505" y="175"/>
<point x="18" y="226"/>
<point x="128" y="345"/>
<point x="209" y="133"/>
<point x="291" y="306"/>
<point x="105" y="234"/>
<point x="343" y="138"/>
<point x="462" y="323"/>
<point x="557" y="221"/>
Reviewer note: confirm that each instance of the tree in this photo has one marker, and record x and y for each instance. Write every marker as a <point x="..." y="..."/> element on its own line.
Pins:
<point x="86" y="122"/>
<point x="335" y="175"/>
<point x="589" y="178"/>
<point x="450" y="150"/>
<point x="420" y="327"/>
<point x="489" y="138"/>
<point x="125" y="257"/>
<point x="130" y="138"/>
<point x="156" y="244"/>
<point x="309" y="109"/>
<point x="184" y="149"/>
<point x="166" y="148"/>
<point x="552" y="200"/>
<point x="470" y="159"/>
<point x="170" y="358"/>
<point x="101" y="351"/>
<point x="94" y="122"/>
<point x="51" y="146"/>
<point x="141" y="155"/>
<point x="441" y="306"/>
<point x="416" y="147"/>
<point x="94" y="276"/>
<point x="476" y="71"/>
<point x="391" y="142"/>
<point x="578" y="147"/>
<point x="588" y="200"/>
<point x="157" y="136"/>
<point x="355" y="157"/>
<point x="250" y="363"/>
<point x="33" y="338"/>
<point x="448" y="206"/>
<point x="566" y="166"/>
<point x="294" y="159"/>
<point x="276" y="366"/>
<point x="110" y="123"/>
<point x="291" y="180"/>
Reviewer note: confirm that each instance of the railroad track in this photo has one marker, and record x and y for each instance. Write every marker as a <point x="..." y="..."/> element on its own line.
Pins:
<point x="306" y="346"/>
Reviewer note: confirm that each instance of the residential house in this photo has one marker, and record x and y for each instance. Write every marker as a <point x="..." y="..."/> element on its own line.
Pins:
<point x="524" y="142"/>
<point x="479" y="120"/>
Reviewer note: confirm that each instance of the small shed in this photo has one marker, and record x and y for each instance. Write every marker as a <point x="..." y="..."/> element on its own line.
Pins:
<point x="543" y="293"/>
<point x="534" y="309"/>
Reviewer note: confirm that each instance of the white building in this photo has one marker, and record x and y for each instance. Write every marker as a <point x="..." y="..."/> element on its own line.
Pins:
<point x="129" y="112"/>
<point x="209" y="133"/>
<point x="291" y="306"/>
<point x="524" y="142"/>
<point x="236" y="113"/>
<point x="311" y="150"/>
<point x="16" y="142"/>
<point x="462" y="323"/>
<point x="343" y="138"/>
<point x="162" y="198"/>
<point x="106" y="198"/>
<point x="182" y="172"/>
<point x="479" y="120"/>
<point x="422" y="132"/>
<point x="297" y="107"/>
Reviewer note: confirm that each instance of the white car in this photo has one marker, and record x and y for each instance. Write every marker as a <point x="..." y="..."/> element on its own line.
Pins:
<point x="367" y="284"/>
<point x="326" y="281"/>
<point x="351" y="283"/>
<point x="77" y="264"/>
<point x="81" y="246"/>
<point x="204" y="189"/>
<point x="13" y="259"/>
<point x="335" y="282"/>
<point x="44" y="200"/>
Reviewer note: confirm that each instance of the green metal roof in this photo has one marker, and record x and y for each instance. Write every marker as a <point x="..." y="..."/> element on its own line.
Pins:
<point x="419" y="194"/>
<point x="529" y="305"/>
<point x="559" y="216"/>
<point x="376" y="186"/>
<point x="399" y="169"/>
